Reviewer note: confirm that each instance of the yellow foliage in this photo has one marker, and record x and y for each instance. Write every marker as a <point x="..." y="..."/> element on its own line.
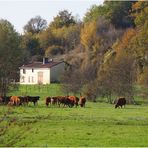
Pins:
<point x="122" y="46"/>
<point x="88" y="35"/>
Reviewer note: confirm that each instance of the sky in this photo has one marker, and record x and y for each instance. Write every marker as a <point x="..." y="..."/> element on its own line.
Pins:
<point x="19" y="12"/>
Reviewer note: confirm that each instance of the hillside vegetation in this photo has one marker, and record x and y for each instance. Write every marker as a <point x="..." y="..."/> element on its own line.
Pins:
<point x="107" y="49"/>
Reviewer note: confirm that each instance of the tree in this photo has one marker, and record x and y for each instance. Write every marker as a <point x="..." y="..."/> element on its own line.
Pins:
<point x="117" y="77"/>
<point x="98" y="36"/>
<point x="80" y="80"/>
<point x="30" y="43"/>
<point x="35" y="25"/>
<point x="64" y="18"/>
<point x="118" y="12"/>
<point x="46" y="38"/>
<point x="10" y="55"/>
<point x="140" y="12"/>
<point x="66" y="37"/>
<point x="94" y="13"/>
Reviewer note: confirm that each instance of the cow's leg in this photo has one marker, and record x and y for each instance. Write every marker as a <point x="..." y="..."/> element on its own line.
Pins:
<point x="47" y="104"/>
<point x="34" y="103"/>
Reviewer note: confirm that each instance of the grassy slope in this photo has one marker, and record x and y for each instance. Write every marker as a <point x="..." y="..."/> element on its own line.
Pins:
<point x="98" y="124"/>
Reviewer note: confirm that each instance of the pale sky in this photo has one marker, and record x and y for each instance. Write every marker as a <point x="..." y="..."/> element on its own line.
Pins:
<point x="19" y="12"/>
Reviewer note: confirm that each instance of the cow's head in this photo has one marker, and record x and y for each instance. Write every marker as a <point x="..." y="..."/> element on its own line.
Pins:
<point x="116" y="105"/>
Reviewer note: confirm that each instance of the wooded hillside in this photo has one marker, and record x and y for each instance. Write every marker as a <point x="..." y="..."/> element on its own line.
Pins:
<point x="108" y="48"/>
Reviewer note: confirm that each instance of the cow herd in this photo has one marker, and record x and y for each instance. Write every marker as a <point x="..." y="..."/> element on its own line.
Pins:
<point x="69" y="101"/>
<point x="64" y="101"/>
<point x="18" y="100"/>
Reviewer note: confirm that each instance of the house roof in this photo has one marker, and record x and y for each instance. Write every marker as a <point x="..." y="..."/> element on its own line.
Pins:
<point x="41" y="65"/>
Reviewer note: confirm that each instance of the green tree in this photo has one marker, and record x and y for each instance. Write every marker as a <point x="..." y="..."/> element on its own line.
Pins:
<point x="35" y="25"/>
<point x="118" y="12"/>
<point x="10" y="55"/>
<point x="64" y="18"/>
<point x="94" y="13"/>
<point x="30" y="43"/>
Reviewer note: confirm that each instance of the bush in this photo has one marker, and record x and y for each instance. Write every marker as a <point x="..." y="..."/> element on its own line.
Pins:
<point x="54" y="50"/>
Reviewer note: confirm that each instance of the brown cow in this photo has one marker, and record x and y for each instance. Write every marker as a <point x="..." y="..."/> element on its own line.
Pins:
<point x="65" y="101"/>
<point x="14" y="100"/>
<point x="82" y="101"/>
<point x="48" y="100"/>
<point x="74" y="99"/>
<point x="120" y="102"/>
<point x="54" y="100"/>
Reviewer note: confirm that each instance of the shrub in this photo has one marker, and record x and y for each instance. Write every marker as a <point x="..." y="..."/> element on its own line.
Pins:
<point x="54" y="50"/>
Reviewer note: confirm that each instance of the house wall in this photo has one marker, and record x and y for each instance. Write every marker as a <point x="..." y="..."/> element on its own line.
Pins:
<point x="56" y="71"/>
<point x="34" y="75"/>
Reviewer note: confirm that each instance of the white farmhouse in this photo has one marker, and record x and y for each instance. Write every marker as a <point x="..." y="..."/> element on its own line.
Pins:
<point x="41" y="72"/>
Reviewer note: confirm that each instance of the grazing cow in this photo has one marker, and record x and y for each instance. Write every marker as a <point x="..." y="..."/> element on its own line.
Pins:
<point x="33" y="99"/>
<point x="61" y="100"/>
<point x="74" y="99"/>
<point x="120" y="102"/>
<point x="82" y="101"/>
<point x="10" y="103"/>
<point x="23" y="100"/>
<point x="48" y="100"/>
<point x="65" y="101"/>
<point x="4" y="99"/>
<point x="14" y="100"/>
<point x="54" y="100"/>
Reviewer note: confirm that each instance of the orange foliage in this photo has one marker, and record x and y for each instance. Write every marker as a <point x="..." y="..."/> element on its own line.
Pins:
<point x="122" y="46"/>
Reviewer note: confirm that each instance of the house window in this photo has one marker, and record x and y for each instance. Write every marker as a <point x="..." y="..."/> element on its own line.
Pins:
<point x="24" y="71"/>
<point x="32" y="70"/>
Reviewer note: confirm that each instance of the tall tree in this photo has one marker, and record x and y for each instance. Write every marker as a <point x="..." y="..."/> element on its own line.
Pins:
<point x="64" y="18"/>
<point x="35" y="25"/>
<point x="118" y="12"/>
<point x="10" y="55"/>
<point x="94" y="13"/>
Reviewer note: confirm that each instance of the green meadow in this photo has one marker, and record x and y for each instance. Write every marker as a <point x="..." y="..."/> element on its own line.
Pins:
<point x="98" y="124"/>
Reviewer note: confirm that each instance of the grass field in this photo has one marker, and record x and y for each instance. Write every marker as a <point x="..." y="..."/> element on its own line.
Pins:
<point x="99" y="124"/>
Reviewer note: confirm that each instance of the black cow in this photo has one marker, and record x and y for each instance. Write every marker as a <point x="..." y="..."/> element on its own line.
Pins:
<point x="120" y="102"/>
<point x="23" y="100"/>
<point x="4" y="99"/>
<point x="33" y="99"/>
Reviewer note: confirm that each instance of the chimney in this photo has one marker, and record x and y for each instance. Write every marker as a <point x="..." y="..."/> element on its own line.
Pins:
<point x="45" y="60"/>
